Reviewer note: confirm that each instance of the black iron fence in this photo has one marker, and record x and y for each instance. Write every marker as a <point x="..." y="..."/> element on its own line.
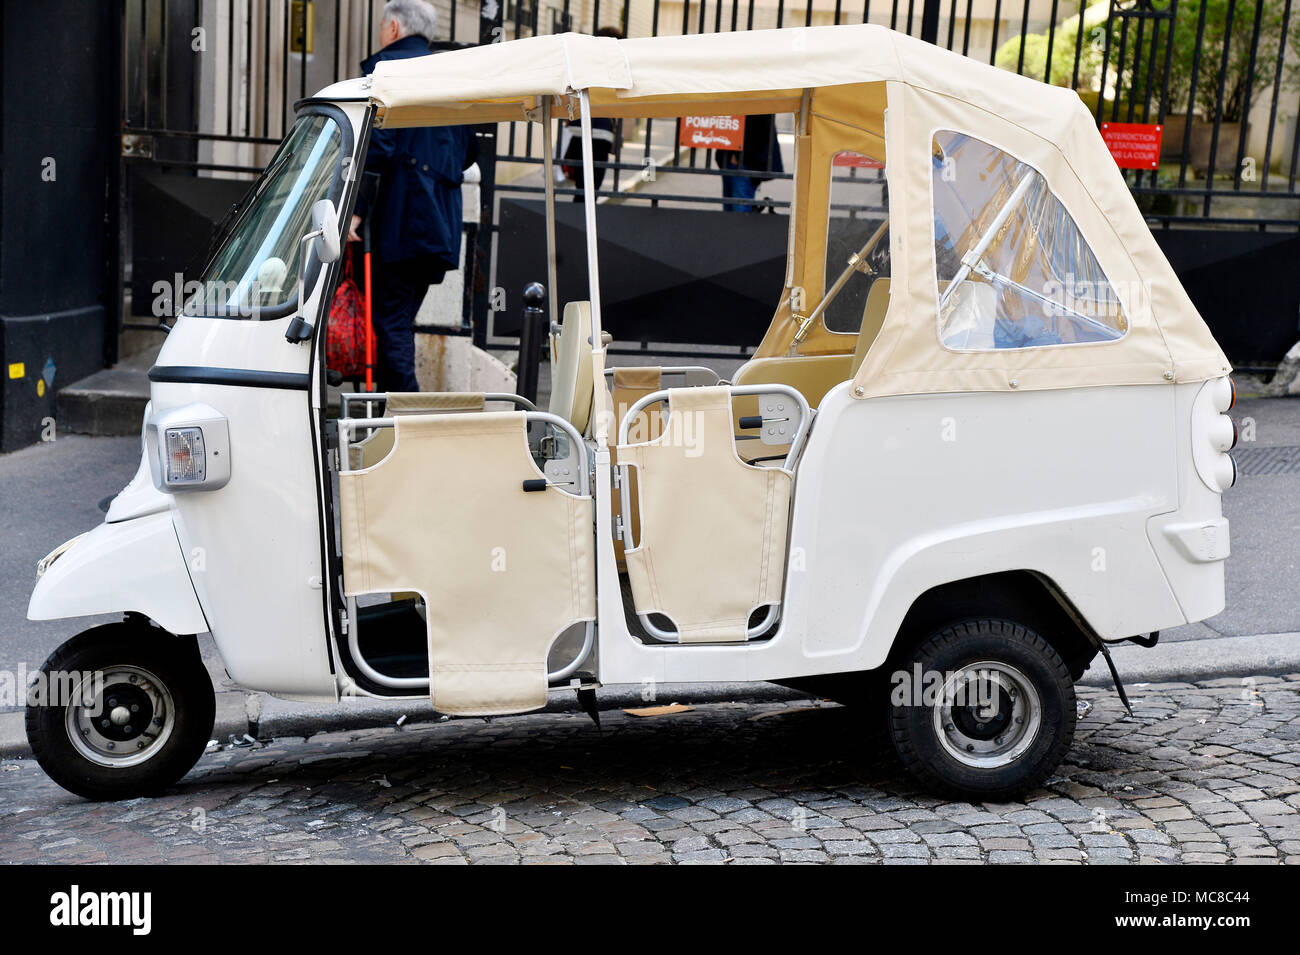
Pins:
<point x="1220" y="77"/>
<point x="209" y="87"/>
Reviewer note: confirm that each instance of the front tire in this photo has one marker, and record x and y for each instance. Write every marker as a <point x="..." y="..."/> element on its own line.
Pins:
<point x="121" y="710"/>
<point x="1000" y="716"/>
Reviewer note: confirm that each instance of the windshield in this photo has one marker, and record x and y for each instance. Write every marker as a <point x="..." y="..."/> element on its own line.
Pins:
<point x="256" y="270"/>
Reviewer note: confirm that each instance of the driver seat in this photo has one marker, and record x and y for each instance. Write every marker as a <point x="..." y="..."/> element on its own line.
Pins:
<point x="571" y="374"/>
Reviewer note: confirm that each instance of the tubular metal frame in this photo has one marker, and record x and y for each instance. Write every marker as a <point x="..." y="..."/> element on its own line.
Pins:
<point x="348" y="427"/>
<point x="625" y="490"/>
<point x="685" y="371"/>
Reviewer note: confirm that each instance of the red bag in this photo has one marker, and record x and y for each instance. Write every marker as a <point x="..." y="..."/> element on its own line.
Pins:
<point x="345" y="341"/>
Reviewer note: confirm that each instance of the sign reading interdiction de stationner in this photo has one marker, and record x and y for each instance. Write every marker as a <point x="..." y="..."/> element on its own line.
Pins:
<point x="1134" y="145"/>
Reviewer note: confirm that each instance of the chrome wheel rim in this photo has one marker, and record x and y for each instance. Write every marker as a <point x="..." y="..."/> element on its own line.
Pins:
<point x="988" y="715"/>
<point x="123" y="719"/>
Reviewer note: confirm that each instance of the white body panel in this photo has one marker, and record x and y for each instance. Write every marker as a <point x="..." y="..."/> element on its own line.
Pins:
<point x="254" y="545"/>
<point x="134" y="565"/>
<point x="897" y="495"/>
<point x="139" y="497"/>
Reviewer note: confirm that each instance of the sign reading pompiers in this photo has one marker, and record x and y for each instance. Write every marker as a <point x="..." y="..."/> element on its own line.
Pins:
<point x="713" y="132"/>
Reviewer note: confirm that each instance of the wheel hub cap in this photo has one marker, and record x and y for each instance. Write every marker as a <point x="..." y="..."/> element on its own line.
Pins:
<point x="125" y="722"/>
<point x="988" y="715"/>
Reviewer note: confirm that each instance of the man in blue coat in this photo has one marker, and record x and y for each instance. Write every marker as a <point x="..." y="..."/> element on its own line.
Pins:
<point x="415" y="217"/>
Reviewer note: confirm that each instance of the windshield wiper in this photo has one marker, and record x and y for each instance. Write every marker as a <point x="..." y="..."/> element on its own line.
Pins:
<point x="856" y="263"/>
<point x="970" y="262"/>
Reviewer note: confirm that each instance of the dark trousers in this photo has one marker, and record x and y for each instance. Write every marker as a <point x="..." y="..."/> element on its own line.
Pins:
<point x="398" y="289"/>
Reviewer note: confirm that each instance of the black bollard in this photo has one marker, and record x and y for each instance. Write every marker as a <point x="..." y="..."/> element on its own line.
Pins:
<point x="532" y="332"/>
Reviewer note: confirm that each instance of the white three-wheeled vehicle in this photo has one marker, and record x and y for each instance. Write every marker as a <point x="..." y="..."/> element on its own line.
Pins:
<point x="983" y="437"/>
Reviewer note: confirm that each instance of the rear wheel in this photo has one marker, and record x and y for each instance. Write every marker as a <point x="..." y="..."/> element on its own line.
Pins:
<point x="121" y="711"/>
<point x="984" y="709"/>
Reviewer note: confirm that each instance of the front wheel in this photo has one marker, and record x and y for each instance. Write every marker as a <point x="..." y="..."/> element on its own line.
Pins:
<point x="121" y="711"/>
<point x="985" y="710"/>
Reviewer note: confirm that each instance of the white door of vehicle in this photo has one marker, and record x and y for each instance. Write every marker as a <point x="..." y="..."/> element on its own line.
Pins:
<point x="254" y="545"/>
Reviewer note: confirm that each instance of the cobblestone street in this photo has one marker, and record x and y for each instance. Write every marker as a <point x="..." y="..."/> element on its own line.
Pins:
<point x="1204" y="773"/>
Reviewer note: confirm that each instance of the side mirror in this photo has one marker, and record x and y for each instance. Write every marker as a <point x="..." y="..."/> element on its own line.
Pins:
<point x="325" y="224"/>
<point x="324" y="239"/>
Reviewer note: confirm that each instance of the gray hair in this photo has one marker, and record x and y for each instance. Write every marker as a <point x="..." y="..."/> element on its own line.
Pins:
<point x="415" y="17"/>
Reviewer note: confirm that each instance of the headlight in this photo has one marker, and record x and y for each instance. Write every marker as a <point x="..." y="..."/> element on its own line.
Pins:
<point x="188" y="449"/>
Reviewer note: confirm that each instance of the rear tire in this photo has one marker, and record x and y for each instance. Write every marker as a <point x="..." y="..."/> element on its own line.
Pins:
<point x="125" y="711"/>
<point x="1001" y="716"/>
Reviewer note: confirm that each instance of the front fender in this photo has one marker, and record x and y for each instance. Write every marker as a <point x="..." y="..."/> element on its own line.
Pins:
<point x="130" y="566"/>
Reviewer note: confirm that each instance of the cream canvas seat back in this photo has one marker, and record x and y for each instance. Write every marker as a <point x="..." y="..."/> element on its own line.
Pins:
<point x="712" y="539"/>
<point x="503" y="571"/>
<point x="375" y="447"/>
<point x="571" y="374"/>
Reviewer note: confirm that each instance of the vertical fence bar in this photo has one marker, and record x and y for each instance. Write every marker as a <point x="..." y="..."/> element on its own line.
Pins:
<point x="266" y="70"/>
<point x="302" y="57"/>
<point x="1218" y="105"/>
<point x="248" y="58"/>
<point x="1105" y="63"/>
<point x="1163" y="110"/>
<point x="284" y="74"/>
<point x="1051" y="39"/>
<point x="1024" y="33"/>
<point x="1078" y="45"/>
<point x="1191" y="97"/>
<point x="997" y="19"/>
<point x="1152" y="59"/>
<point x="1137" y="61"/>
<point x="231" y="75"/>
<point x="1245" y="96"/>
<point x="1277" y="89"/>
<point x="1119" y="67"/>
<point x="338" y="37"/>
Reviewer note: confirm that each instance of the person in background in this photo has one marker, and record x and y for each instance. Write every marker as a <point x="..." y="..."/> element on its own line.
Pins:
<point x="603" y="138"/>
<point x="416" y="216"/>
<point x="761" y="154"/>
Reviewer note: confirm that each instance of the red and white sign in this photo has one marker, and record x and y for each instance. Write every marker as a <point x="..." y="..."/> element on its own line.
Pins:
<point x="713" y="132"/>
<point x="1134" y="145"/>
<point x="856" y="161"/>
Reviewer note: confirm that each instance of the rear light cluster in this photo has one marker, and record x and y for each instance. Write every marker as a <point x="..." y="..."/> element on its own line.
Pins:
<point x="1215" y="434"/>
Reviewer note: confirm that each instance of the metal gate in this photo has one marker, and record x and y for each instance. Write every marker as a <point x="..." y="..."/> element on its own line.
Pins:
<point x="1221" y="77"/>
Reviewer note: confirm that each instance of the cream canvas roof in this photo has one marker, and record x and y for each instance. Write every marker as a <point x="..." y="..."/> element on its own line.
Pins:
<point x="929" y="88"/>
<point x="695" y="68"/>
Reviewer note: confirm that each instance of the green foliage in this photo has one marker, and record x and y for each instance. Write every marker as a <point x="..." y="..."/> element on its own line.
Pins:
<point x="1242" y="82"/>
<point x="1065" y="43"/>
<point x="1141" y="73"/>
